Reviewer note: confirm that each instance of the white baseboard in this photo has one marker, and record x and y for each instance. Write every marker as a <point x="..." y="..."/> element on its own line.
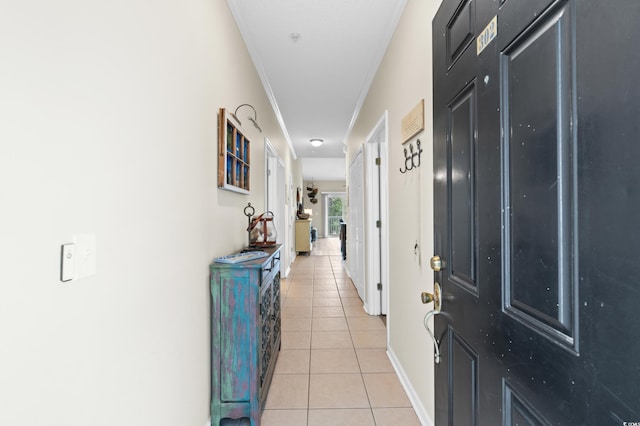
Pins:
<point x="419" y="408"/>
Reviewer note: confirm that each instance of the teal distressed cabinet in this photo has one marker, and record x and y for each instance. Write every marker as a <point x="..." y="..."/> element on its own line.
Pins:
<point x="245" y="335"/>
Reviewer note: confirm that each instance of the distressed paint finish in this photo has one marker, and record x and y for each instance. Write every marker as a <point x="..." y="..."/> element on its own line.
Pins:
<point x="239" y="330"/>
<point x="237" y="291"/>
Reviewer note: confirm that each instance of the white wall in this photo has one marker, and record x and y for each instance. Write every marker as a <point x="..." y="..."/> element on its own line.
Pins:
<point x="404" y="78"/>
<point x="108" y="126"/>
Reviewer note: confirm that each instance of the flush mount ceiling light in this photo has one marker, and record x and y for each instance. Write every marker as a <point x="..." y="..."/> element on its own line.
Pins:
<point x="316" y="142"/>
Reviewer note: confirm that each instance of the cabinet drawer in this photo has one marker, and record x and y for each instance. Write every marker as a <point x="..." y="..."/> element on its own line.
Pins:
<point x="270" y="268"/>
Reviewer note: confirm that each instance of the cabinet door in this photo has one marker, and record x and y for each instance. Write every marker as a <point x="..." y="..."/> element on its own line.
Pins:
<point x="237" y="331"/>
<point x="267" y="330"/>
<point x="303" y="235"/>
<point x="276" y="313"/>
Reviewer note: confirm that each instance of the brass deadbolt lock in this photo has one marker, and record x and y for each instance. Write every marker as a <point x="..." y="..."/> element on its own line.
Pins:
<point x="437" y="264"/>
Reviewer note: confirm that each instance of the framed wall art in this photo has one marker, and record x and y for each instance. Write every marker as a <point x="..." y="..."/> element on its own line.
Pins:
<point x="234" y="155"/>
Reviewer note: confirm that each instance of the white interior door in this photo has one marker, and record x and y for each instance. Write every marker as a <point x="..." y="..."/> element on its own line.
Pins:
<point x="275" y="198"/>
<point x="377" y="281"/>
<point x="355" y="225"/>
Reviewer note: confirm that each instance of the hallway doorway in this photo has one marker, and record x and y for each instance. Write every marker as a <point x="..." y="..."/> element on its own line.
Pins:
<point x="376" y="213"/>
<point x="276" y="201"/>
<point x="335" y="207"/>
<point x="356" y="225"/>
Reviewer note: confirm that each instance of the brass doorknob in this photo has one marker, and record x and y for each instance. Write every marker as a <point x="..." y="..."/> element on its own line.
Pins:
<point x="437" y="264"/>
<point x="433" y="297"/>
<point x="427" y="297"/>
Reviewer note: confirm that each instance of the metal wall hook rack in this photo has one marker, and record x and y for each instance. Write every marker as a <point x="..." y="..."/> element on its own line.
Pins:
<point x="410" y="156"/>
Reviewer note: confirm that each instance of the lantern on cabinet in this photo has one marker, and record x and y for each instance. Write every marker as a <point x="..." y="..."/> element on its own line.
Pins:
<point x="262" y="231"/>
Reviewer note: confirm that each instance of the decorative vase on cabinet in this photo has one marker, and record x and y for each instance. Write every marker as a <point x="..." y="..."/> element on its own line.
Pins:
<point x="245" y="335"/>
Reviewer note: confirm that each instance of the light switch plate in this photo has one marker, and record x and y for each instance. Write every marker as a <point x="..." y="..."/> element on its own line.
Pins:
<point x="67" y="262"/>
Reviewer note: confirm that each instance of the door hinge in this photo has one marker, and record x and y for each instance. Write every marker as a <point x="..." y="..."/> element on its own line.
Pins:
<point x="378" y="161"/>
<point x="379" y="286"/>
<point x="378" y="224"/>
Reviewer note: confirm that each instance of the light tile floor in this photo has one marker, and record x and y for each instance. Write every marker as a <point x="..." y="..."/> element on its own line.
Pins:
<point x="333" y="368"/>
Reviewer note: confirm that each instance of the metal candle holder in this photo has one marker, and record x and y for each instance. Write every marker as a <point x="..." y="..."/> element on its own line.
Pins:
<point x="249" y="212"/>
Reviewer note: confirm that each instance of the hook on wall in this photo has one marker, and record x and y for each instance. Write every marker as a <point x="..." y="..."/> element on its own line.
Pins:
<point x="410" y="162"/>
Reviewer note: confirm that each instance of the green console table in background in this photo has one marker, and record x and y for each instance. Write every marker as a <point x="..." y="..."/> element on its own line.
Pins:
<point x="245" y="335"/>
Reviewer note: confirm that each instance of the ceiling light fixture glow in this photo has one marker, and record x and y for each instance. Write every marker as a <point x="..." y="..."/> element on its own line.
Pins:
<point x="316" y="142"/>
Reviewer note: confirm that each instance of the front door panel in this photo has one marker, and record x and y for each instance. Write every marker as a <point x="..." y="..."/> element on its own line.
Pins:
<point x="461" y="130"/>
<point x="540" y="178"/>
<point x="535" y="185"/>
<point x="463" y="375"/>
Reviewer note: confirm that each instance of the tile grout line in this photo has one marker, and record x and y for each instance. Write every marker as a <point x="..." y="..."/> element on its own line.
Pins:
<point x="344" y="316"/>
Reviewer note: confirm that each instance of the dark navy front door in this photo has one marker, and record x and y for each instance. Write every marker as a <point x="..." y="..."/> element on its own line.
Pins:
<point x="537" y="207"/>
